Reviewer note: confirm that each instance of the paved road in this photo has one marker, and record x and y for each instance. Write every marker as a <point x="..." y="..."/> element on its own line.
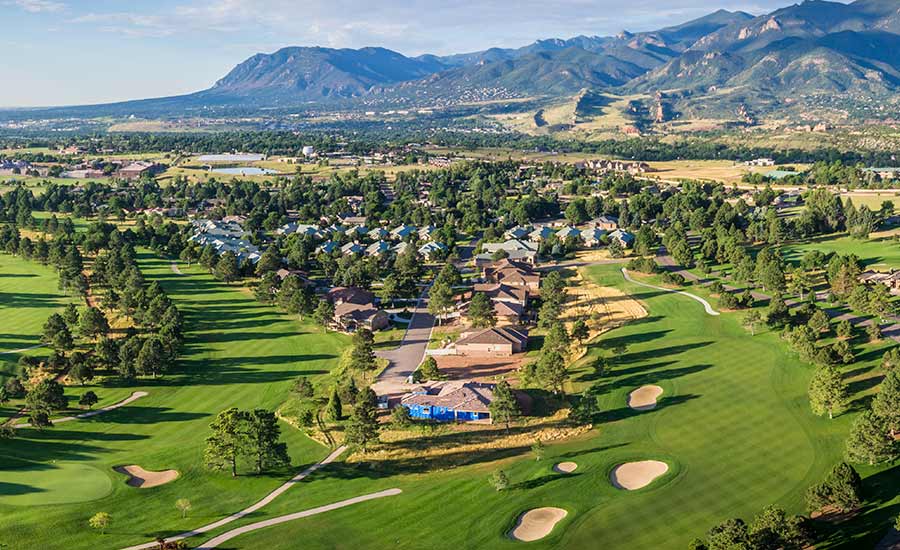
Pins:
<point x="709" y="309"/>
<point x="250" y="509"/>
<point x="405" y="359"/>
<point x="225" y="537"/>
<point x="134" y="397"/>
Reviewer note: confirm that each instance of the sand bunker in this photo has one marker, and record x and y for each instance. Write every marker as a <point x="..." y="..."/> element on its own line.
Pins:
<point x="635" y="475"/>
<point x="644" y="398"/>
<point x="536" y="524"/>
<point x="565" y="467"/>
<point x="144" y="479"/>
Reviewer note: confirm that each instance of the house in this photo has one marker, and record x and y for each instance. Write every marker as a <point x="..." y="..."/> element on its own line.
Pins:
<point x="427" y="232"/>
<point x="518" y="232"/>
<point x="609" y="223"/>
<point x="403" y="231"/>
<point x="379" y="234"/>
<point x="327" y="247"/>
<point x="400" y="248"/>
<point x="891" y="279"/>
<point x="451" y="401"/>
<point x="357" y="231"/>
<point x="788" y="200"/>
<point x="433" y="250"/>
<point x="302" y="229"/>
<point x="541" y="234"/>
<point x="567" y="233"/>
<point x="760" y="162"/>
<point x="511" y="245"/>
<point x="506" y="313"/>
<point x="138" y="169"/>
<point x="513" y="273"/>
<point x="355" y="308"/>
<point x="492" y="342"/>
<point x="503" y="293"/>
<point x="224" y="236"/>
<point x="352" y="248"/>
<point x="593" y="237"/>
<point x="378" y="248"/>
<point x="624" y="238"/>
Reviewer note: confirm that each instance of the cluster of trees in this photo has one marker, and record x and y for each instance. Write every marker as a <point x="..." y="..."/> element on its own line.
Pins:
<point x="442" y="296"/>
<point x="772" y="529"/>
<point x="250" y="435"/>
<point x="59" y="252"/>
<point x="121" y="285"/>
<point x="553" y="296"/>
<point x="872" y="436"/>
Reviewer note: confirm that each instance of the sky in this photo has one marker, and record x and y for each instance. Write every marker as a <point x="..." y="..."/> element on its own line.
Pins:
<point x="73" y="52"/>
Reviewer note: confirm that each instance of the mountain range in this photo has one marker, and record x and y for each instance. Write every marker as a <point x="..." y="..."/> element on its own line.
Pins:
<point x="803" y="56"/>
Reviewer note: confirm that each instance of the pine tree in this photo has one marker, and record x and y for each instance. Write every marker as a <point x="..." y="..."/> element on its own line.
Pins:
<point x="481" y="311"/>
<point x="263" y="433"/>
<point x="228" y="441"/>
<point x="827" y="391"/>
<point x="869" y="441"/>
<point x="887" y="403"/>
<point x="504" y="407"/>
<point x="334" y="410"/>
<point x="363" y="426"/>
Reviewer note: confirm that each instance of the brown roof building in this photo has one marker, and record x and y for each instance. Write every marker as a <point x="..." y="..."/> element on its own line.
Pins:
<point x="493" y="342"/>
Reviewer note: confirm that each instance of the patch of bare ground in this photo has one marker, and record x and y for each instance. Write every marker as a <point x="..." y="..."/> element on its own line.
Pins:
<point x="458" y="367"/>
<point x="602" y="308"/>
<point x="438" y="446"/>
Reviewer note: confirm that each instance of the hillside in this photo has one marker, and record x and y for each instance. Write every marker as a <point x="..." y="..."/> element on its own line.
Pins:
<point x="814" y="58"/>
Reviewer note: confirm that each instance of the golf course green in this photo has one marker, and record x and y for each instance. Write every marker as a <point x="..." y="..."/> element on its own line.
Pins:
<point x="733" y="425"/>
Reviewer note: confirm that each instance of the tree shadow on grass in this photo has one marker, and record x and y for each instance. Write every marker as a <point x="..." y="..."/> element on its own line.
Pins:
<point x="15" y="489"/>
<point x="658" y="352"/>
<point x="541" y="481"/>
<point x="627" y="412"/>
<point x="871" y="524"/>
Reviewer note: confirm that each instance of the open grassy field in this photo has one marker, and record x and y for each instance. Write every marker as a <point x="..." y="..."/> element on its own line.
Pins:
<point x="28" y="295"/>
<point x="238" y="353"/>
<point x="880" y="254"/>
<point x="733" y="425"/>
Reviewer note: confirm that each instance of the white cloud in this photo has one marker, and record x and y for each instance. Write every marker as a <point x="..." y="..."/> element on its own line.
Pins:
<point x="39" y="6"/>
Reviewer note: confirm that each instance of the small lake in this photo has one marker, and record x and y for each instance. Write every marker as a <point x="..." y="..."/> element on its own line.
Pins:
<point x="241" y="157"/>
<point x="245" y="171"/>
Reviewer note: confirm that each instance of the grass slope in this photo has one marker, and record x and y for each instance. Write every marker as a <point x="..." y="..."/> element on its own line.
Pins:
<point x="733" y="424"/>
<point x="238" y="353"/>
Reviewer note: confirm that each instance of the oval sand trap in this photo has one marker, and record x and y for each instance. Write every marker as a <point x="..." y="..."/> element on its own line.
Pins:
<point x="144" y="479"/>
<point x="635" y="475"/>
<point x="644" y="398"/>
<point x="536" y="524"/>
<point x="565" y="467"/>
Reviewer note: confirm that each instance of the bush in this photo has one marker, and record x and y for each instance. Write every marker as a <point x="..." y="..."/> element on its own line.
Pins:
<point x="674" y="279"/>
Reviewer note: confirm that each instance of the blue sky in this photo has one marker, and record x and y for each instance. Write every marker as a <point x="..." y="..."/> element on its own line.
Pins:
<point x="62" y="52"/>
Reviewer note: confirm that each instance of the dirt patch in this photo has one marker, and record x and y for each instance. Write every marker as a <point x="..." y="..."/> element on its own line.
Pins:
<point x="565" y="467"/>
<point x="436" y="446"/>
<point x="635" y="475"/>
<point x="603" y="308"/>
<point x="458" y="367"/>
<point x="144" y="479"/>
<point x="644" y="398"/>
<point x="536" y="524"/>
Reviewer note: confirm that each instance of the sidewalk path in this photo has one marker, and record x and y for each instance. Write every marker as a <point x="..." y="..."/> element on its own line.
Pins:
<point x="250" y="509"/>
<point x="709" y="309"/>
<point x="23" y="350"/>
<point x="134" y="397"/>
<point x="224" y="537"/>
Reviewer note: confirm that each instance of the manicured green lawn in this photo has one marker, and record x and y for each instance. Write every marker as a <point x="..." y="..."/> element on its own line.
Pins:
<point x="734" y="425"/>
<point x="29" y="293"/>
<point x="880" y="254"/>
<point x="238" y="353"/>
